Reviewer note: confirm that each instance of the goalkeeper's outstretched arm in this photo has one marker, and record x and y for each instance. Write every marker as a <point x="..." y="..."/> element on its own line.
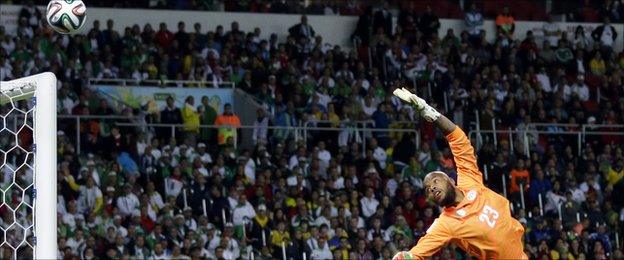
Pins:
<point x="468" y="173"/>
<point x="463" y="153"/>
<point x="446" y="125"/>
<point x="426" y="111"/>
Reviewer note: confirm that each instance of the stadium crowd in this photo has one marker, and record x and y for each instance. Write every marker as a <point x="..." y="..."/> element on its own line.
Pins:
<point x="532" y="10"/>
<point x="139" y="192"/>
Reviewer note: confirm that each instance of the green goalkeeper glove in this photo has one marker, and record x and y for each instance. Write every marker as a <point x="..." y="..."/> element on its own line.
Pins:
<point x="404" y="255"/>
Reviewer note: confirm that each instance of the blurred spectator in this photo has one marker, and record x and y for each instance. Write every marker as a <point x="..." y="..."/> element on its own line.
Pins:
<point x="581" y="40"/>
<point x="383" y="19"/>
<point x="612" y="9"/>
<point x="321" y="251"/>
<point x="228" y="124"/>
<point x="429" y="23"/>
<point x="260" y="130"/>
<point x="128" y="204"/>
<point x="474" y="23"/>
<point x="605" y="34"/>
<point x="364" y="28"/>
<point x="302" y="30"/>
<point x="597" y="65"/>
<point x="170" y="115"/>
<point x="519" y="176"/>
<point x="505" y="23"/>
<point x="580" y="89"/>
<point x="190" y="118"/>
<point x="539" y="185"/>
<point x="31" y="14"/>
<point x="207" y="116"/>
<point x="552" y="32"/>
<point x="164" y="37"/>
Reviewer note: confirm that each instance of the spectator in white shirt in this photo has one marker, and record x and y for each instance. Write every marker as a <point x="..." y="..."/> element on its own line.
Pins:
<point x="581" y="40"/>
<point x="90" y="200"/>
<point x="474" y="23"/>
<point x="393" y="184"/>
<point x="230" y="246"/>
<point x="605" y="34"/>
<point x="563" y="89"/>
<point x="260" y="130"/>
<point x="189" y="221"/>
<point x="580" y="89"/>
<point x="202" y="154"/>
<point x="337" y="179"/>
<point x="294" y="159"/>
<point x="323" y="155"/>
<point x="324" y="218"/>
<point x="212" y="238"/>
<point x="369" y="203"/>
<point x="424" y="156"/>
<point x="345" y="74"/>
<point x="369" y="106"/>
<point x="173" y="184"/>
<point x="322" y="251"/>
<point x="6" y="70"/>
<point x="7" y="42"/>
<point x="553" y="198"/>
<point x="311" y="243"/>
<point x="578" y="195"/>
<point x="591" y="183"/>
<point x="243" y="212"/>
<point x="552" y="32"/>
<point x="249" y="168"/>
<point x="77" y="242"/>
<point x="128" y="204"/>
<point x="377" y="231"/>
<point x="544" y="80"/>
<point x="155" y="199"/>
<point x="355" y="217"/>
<point x="159" y="253"/>
<point x="119" y="229"/>
<point x="326" y="80"/>
<point x="378" y="153"/>
<point x="69" y="218"/>
<point x="66" y="103"/>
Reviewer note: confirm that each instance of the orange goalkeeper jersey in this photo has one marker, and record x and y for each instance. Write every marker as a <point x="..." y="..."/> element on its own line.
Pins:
<point x="481" y="224"/>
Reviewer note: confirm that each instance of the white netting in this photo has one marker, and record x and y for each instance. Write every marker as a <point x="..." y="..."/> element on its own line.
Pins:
<point x="17" y="113"/>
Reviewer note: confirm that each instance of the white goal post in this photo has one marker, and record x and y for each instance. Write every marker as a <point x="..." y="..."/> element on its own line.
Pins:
<point x="27" y="137"/>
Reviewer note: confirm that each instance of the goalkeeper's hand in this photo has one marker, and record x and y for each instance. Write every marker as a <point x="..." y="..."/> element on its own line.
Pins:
<point x="403" y="255"/>
<point x="421" y="106"/>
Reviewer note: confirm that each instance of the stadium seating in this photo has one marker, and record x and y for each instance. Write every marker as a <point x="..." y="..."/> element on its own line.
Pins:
<point x="312" y="189"/>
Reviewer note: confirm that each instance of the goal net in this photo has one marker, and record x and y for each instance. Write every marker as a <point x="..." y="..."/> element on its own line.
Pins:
<point x="28" y="168"/>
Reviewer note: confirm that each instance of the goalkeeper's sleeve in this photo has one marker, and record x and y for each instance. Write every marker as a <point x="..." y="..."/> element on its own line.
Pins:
<point x="437" y="236"/>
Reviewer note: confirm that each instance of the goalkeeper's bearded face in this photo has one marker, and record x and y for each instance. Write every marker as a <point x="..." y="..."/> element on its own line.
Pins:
<point x="440" y="188"/>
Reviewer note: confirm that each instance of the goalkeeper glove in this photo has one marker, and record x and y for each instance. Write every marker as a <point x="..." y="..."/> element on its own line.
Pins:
<point x="404" y="255"/>
<point x="421" y="106"/>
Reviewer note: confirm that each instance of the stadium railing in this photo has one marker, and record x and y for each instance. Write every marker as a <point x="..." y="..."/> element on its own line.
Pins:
<point x="581" y="135"/>
<point x="294" y="129"/>
<point x="360" y="128"/>
<point x="79" y="119"/>
<point x="588" y="129"/>
<point x="162" y="83"/>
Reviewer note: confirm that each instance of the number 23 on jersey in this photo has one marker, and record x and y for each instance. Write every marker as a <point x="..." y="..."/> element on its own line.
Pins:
<point x="489" y="216"/>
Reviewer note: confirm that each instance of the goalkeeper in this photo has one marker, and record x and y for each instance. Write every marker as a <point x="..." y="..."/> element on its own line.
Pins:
<point x="474" y="217"/>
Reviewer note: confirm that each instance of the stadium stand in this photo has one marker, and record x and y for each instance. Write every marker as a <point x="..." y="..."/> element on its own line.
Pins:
<point x="138" y="192"/>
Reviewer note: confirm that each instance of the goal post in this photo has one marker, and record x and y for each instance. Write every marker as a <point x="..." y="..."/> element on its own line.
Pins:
<point x="28" y="156"/>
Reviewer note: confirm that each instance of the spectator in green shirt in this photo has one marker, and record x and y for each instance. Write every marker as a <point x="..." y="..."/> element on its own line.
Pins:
<point x="207" y="117"/>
